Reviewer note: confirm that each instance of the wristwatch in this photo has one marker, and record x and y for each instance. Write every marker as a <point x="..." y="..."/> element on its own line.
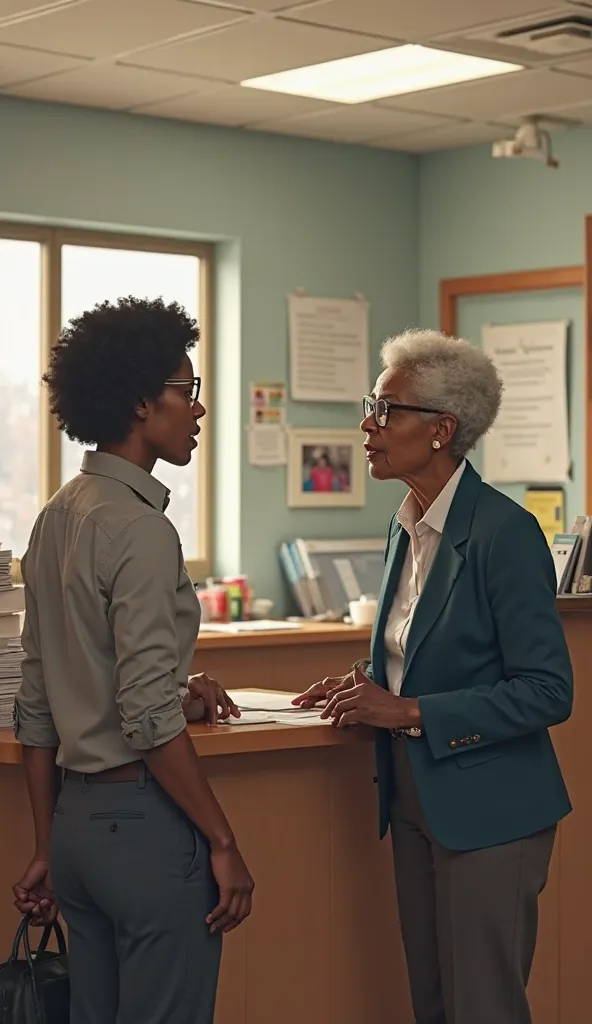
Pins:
<point x="414" y="732"/>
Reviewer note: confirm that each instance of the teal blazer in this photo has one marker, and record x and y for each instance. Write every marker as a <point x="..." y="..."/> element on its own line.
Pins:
<point x="487" y="658"/>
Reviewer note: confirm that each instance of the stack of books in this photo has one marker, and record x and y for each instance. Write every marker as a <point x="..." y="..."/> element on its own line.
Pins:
<point x="572" y="555"/>
<point x="325" y="575"/>
<point x="12" y="606"/>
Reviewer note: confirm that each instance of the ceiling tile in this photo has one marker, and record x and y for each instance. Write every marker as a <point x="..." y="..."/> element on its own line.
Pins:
<point x="258" y="47"/>
<point x="577" y="67"/>
<point x="231" y="106"/>
<point x="11" y="7"/>
<point x="522" y="92"/>
<point x="111" y="86"/>
<point x="103" y="28"/>
<point x="256" y="5"/>
<point x="350" y="124"/>
<point x="18" y="65"/>
<point x="412" y="21"/>
<point x="449" y="137"/>
<point x="578" y="113"/>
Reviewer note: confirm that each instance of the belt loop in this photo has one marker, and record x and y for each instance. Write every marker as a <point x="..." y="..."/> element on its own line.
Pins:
<point x="142" y="775"/>
<point x="84" y="782"/>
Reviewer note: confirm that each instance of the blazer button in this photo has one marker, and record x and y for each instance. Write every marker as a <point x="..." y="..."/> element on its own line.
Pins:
<point x="453" y="744"/>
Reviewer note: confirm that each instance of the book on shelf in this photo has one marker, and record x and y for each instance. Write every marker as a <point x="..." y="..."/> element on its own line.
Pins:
<point x="325" y="575"/>
<point x="581" y="582"/>
<point x="565" y="549"/>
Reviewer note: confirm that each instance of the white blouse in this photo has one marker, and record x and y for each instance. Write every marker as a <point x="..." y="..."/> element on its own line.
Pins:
<point x="425" y="534"/>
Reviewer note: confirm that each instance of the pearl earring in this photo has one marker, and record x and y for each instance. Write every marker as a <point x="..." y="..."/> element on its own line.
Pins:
<point x="436" y="443"/>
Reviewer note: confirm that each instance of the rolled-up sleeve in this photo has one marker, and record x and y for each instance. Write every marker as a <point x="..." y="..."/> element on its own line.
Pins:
<point x="143" y="576"/>
<point x="33" y="720"/>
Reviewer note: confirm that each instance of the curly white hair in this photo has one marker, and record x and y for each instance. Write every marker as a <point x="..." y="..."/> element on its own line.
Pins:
<point x="450" y="375"/>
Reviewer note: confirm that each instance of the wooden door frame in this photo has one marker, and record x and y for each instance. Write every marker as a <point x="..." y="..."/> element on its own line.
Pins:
<point x="455" y="288"/>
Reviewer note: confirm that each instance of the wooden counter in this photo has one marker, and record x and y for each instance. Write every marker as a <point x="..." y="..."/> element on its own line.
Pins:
<point x="322" y="944"/>
<point x="288" y="660"/>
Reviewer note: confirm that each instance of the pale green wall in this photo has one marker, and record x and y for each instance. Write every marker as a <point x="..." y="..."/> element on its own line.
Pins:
<point x="290" y="213"/>
<point x="483" y="216"/>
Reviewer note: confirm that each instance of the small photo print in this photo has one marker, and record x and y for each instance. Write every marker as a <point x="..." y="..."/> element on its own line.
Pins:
<point x="326" y="468"/>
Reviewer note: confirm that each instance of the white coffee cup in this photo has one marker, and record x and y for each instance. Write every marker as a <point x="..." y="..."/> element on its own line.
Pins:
<point x="363" y="612"/>
<point x="262" y="607"/>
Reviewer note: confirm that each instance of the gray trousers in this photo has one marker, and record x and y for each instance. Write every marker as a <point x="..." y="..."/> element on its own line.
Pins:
<point x="468" y="920"/>
<point x="133" y="882"/>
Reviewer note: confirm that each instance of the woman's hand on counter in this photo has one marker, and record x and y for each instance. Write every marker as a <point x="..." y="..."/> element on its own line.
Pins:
<point x="318" y="693"/>
<point x="218" y="706"/>
<point x="366" y="703"/>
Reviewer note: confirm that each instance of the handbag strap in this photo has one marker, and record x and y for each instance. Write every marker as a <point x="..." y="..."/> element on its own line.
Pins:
<point x="47" y="931"/>
<point x="23" y="930"/>
<point x="18" y="939"/>
<point x="30" y="965"/>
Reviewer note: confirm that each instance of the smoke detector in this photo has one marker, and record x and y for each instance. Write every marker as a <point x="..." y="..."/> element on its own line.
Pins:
<point x="530" y="141"/>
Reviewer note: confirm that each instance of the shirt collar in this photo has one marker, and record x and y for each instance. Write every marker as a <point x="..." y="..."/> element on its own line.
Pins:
<point x="144" y="484"/>
<point x="409" y="514"/>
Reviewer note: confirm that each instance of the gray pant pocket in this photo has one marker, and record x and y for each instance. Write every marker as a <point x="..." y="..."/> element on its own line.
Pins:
<point x="116" y="816"/>
<point x="199" y="855"/>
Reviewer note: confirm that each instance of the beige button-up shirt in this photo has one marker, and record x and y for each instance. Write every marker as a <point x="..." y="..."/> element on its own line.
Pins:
<point x="111" y="620"/>
<point x="425" y="534"/>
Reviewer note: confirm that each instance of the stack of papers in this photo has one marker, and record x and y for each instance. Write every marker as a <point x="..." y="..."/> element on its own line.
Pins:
<point x="11" y="652"/>
<point x="5" y="569"/>
<point x="260" y="707"/>
<point x="248" y="626"/>
<point x="11" y="656"/>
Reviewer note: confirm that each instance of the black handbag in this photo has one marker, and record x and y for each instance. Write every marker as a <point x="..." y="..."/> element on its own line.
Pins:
<point x="35" y="990"/>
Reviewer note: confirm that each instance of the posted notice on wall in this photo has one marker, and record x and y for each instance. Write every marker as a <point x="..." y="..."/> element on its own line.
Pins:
<point x="328" y="349"/>
<point x="267" y="424"/>
<point x="267" y="445"/>
<point x="529" y="442"/>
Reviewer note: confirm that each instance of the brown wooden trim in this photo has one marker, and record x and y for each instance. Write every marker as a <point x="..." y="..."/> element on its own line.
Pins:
<point x="240" y="739"/>
<point x="454" y="288"/>
<point x="588" y="364"/>
<point x="312" y="633"/>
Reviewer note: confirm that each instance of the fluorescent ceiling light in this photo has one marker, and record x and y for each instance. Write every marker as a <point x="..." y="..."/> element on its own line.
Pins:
<point x="372" y="76"/>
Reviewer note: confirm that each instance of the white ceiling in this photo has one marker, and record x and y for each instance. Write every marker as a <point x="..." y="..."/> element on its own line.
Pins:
<point x="185" y="59"/>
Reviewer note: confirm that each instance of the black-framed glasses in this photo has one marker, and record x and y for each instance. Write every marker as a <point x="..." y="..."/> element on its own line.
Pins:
<point x="381" y="409"/>
<point x="191" y="384"/>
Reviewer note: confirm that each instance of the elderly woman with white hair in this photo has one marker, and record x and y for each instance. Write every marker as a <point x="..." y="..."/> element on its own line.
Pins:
<point x="469" y="669"/>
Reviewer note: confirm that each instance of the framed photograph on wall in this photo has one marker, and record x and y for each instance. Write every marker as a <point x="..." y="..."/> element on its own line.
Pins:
<point x="326" y="469"/>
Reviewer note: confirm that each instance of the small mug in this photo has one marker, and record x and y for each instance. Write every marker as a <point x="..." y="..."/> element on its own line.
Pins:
<point x="363" y="612"/>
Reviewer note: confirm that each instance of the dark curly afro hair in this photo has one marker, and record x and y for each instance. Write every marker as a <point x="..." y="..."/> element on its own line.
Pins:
<point x="109" y="359"/>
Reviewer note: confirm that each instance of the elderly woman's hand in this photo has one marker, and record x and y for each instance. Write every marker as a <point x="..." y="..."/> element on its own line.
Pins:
<point x="318" y="693"/>
<point x="217" y="705"/>
<point x="366" y="703"/>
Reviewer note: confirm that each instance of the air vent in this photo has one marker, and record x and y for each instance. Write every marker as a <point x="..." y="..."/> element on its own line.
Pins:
<point x="553" y="34"/>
